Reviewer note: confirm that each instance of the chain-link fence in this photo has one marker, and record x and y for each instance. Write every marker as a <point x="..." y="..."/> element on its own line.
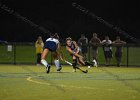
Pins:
<point x="24" y="53"/>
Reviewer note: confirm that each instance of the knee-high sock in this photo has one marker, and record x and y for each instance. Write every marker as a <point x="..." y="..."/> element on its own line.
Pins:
<point x="74" y="63"/>
<point x="44" y="62"/>
<point x="57" y="64"/>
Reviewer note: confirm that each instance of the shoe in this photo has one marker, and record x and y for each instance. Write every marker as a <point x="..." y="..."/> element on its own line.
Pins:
<point x="48" y="68"/>
<point x="60" y="68"/>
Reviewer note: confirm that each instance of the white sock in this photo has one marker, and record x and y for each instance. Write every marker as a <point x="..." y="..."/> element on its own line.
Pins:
<point x="44" y="62"/>
<point x="95" y="63"/>
<point x="57" y="64"/>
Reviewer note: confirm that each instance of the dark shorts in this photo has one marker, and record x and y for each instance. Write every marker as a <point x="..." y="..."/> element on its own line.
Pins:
<point x="50" y="45"/>
<point x="108" y="54"/>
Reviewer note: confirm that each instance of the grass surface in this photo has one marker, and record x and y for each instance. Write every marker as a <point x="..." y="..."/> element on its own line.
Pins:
<point x="102" y="83"/>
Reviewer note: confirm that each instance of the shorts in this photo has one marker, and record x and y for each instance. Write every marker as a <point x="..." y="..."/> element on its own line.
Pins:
<point x="50" y="45"/>
<point x="108" y="54"/>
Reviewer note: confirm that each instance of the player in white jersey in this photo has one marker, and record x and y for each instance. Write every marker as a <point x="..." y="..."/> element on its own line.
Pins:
<point x="52" y="44"/>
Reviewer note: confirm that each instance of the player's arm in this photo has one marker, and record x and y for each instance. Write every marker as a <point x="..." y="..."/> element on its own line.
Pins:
<point x="74" y="53"/>
<point x="76" y="47"/>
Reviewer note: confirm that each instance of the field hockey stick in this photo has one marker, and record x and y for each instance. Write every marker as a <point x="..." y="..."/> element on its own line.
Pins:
<point x="76" y="67"/>
<point x="82" y="70"/>
<point x="68" y="62"/>
<point x="63" y="59"/>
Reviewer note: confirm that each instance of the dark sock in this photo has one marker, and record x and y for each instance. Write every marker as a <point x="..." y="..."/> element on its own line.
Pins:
<point x="74" y="63"/>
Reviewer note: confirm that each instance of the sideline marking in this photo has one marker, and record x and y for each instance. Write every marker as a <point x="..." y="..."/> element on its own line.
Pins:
<point x="30" y="80"/>
<point x="65" y="86"/>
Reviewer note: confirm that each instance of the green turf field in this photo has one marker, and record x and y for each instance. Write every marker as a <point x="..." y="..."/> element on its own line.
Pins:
<point x="102" y="83"/>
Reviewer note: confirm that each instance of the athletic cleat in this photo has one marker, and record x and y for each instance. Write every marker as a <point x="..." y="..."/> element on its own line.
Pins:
<point x="60" y="68"/>
<point x="48" y="68"/>
<point x="58" y="71"/>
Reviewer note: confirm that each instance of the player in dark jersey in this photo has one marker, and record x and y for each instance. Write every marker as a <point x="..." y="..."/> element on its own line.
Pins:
<point x="73" y="49"/>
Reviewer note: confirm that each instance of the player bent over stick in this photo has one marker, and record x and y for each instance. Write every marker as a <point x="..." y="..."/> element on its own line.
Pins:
<point x="52" y="44"/>
<point x="73" y="49"/>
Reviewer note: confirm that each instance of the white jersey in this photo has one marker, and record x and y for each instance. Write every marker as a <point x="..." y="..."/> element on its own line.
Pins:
<point x="53" y="40"/>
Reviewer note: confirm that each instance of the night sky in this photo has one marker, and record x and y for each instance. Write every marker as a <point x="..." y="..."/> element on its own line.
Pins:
<point x="61" y="17"/>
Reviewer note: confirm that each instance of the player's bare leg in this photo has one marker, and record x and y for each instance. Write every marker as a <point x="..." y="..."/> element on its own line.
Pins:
<point x="44" y="62"/>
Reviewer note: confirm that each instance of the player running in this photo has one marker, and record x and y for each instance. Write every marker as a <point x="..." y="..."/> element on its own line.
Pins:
<point x="73" y="49"/>
<point x="52" y="44"/>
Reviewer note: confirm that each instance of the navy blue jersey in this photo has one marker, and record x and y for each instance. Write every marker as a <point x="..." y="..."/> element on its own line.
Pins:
<point x="72" y="47"/>
<point x="51" y="44"/>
